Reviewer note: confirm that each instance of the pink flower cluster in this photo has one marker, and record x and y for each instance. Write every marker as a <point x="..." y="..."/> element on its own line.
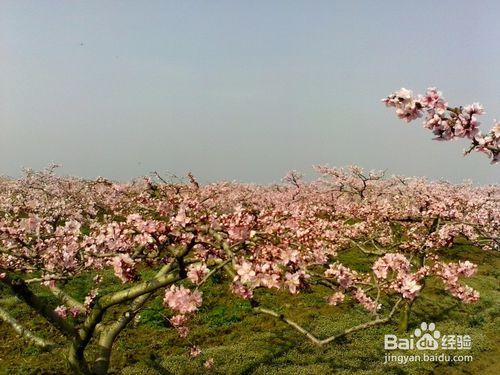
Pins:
<point x="404" y="282"/>
<point x="197" y="272"/>
<point x="449" y="274"/>
<point x="365" y="301"/>
<point x="296" y="281"/>
<point x="269" y="275"/>
<point x="182" y="300"/>
<point x="63" y="311"/>
<point x="336" y="298"/>
<point x="447" y="123"/>
<point x="124" y="267"/>
<point x="390" y="262"/>
<point x="343" y="275"/>
<point x="256" y="274"/>
<point x="179" y="323"/>
<point x="408" y="107"/>
<point x="90" y="298"/>
<point x="242" y="290"/>
<point x="239" y="224"/>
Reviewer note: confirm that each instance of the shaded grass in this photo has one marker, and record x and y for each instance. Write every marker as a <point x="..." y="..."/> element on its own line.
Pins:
<point x="244" y="343"/>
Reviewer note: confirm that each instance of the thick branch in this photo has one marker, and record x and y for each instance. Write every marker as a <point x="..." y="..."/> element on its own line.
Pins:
<point x="24" y="332"/>
<point x="21" y="290"/>
<point x="139" y="290"/>
<point x="67" y="299"/>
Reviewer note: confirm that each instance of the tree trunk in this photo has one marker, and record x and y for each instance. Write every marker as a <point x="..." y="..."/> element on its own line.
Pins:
<point x="77" y="361"/>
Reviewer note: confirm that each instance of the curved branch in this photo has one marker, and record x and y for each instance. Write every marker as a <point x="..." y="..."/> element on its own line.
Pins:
<point x="320" y="342"/>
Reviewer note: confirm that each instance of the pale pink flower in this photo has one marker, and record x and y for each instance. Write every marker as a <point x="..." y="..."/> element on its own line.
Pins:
<point x="245" y="272"/>
<point x="290" y="256"/>
<point x="194" y="351"/>
<point x="242" y="291"/>
<point x="496" y="130"/>
<point x="433" y="100"/>
<point x="182" y="300"/>
<point x="390" y="261"/>
<point x="344" y="276"/>
<point x="409" y="287"/>
<point x="61" y="311"/>
<point x="366" y="301"/>
<point x="474" y="108"/>
<point x="293" y="281"/>
<point x="197" y="272"/>
<point x="181" y="218"/>
<point x="90" y="298"/>
<point x="124" y="267"/>
<point x="336" y="298"/>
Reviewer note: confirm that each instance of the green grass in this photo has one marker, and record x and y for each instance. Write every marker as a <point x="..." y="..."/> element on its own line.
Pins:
<point x="242" y="342"/>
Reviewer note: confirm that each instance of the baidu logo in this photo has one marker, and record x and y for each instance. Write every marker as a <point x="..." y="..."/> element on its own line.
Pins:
<point x="427" y="337"/>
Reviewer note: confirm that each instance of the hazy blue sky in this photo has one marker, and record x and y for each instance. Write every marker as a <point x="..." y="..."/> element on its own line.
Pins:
<point x="243" y="90"/>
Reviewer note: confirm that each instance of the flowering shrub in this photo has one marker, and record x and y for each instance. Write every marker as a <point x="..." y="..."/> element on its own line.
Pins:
<point x="160" y="236"/>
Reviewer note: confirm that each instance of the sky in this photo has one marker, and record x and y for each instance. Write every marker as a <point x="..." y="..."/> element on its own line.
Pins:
<point x="239" y="90"/>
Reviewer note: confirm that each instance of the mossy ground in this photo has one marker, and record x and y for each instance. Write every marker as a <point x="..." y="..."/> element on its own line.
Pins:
<point x="242" y="342"/>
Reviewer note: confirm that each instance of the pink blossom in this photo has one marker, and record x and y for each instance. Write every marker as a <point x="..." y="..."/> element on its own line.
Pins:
<point x="242" y="291"/>
<point x="447" y="123"/>
<point x="408" y="287"/>
<point x="197" y="272"/>
<point x="336" y="298"/>
<point x="182" y="300"/>
<point x="390" y="261"/>
<point x="474" y="108"/>
<point x="61" y="311"/>
<point x="181" y="218"/>
<point x="245" y="272"/>
<point x="123" y="266"/>
<point x="90" y="298"/>
<point x="433" y="99"/>
<point x="194" y="351"/>
<point x="344" y="276"/>
<point x="294" y="281"/>
<point x="450" y="273"/>
<point x="366" y="301"/>
<point x="290" y="256"/>
<point x="407" y="107"/>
